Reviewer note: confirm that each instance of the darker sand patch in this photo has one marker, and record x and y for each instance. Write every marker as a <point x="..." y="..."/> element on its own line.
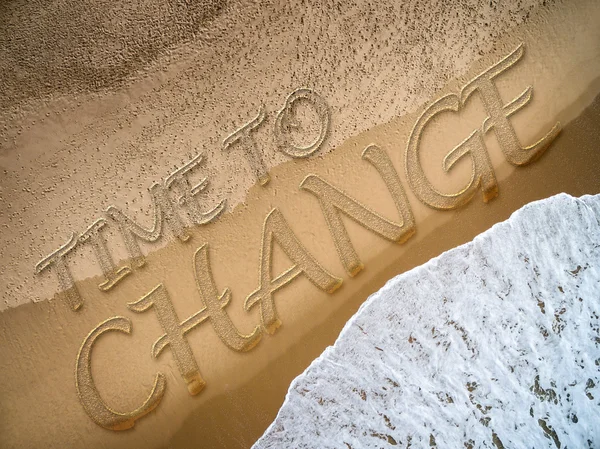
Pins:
<point x="72" y="46"/>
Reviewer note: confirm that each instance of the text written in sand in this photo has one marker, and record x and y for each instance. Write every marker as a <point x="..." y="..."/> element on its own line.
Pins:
<point x="177" y="208"/>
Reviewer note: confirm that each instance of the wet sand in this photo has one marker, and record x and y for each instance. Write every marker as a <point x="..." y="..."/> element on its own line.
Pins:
<point x="578" y="148"/>
<point x="69" y="154"/>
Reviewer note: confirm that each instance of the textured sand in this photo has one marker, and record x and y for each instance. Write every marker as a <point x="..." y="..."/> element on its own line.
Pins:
<point x="68" y="153"/>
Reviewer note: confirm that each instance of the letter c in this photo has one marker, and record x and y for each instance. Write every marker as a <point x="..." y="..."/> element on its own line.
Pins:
<point x="93" y="404"/>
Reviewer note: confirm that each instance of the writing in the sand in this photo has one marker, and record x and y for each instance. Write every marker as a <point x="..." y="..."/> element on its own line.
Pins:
<point x="175" y="198"/>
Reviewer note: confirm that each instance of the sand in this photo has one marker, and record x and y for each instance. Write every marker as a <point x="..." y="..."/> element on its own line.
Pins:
<point x="68" y="152"/>
<point x="71" y="149"/>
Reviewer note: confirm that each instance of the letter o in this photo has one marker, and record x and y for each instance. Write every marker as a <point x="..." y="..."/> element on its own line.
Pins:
<point x="283" y="139"/>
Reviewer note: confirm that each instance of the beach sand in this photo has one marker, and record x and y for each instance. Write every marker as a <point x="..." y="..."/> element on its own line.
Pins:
<point x="88" y="128"/>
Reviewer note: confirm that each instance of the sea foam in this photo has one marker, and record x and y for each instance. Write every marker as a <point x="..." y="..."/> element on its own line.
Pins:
<point x="495" y="343"/>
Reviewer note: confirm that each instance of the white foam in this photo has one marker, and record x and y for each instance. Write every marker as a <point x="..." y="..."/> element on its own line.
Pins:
<point x="486" y="344"/>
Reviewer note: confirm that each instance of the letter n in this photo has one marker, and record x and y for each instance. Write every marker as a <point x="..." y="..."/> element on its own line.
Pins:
<point x="276" y="229"/>
<point x="333" y="201"/>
